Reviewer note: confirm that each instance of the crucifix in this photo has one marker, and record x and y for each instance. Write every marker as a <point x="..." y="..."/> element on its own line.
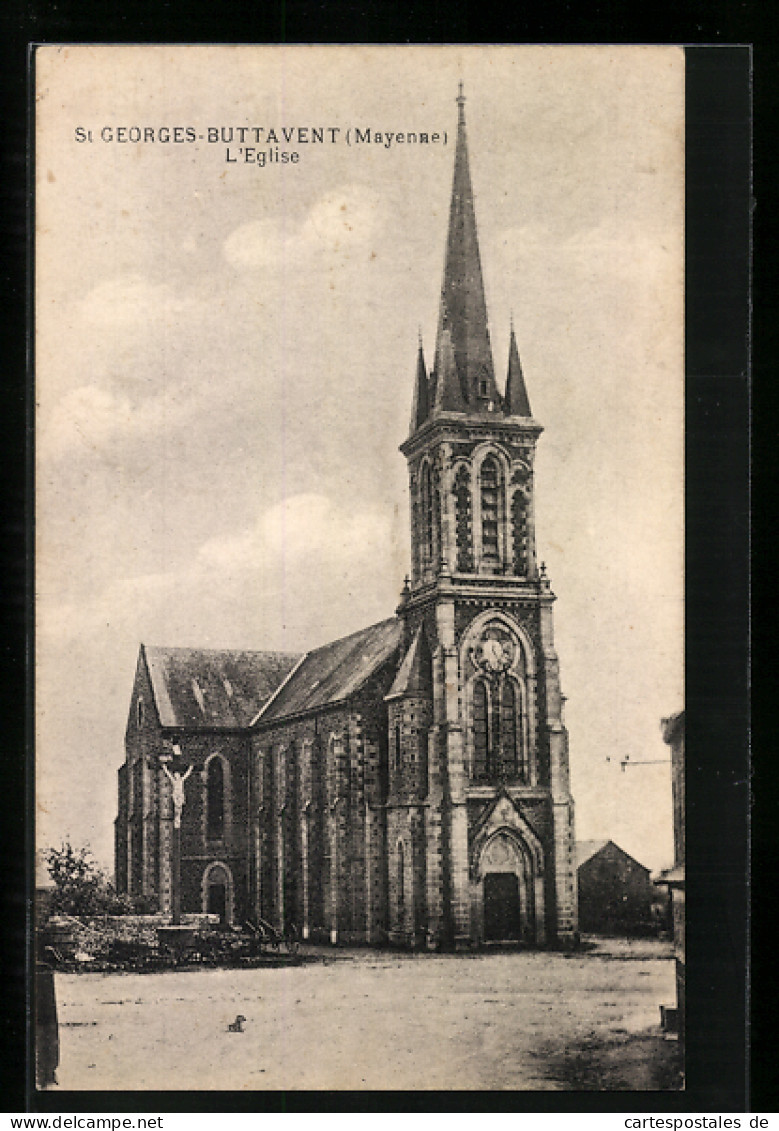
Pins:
<point x="176" y="779"/>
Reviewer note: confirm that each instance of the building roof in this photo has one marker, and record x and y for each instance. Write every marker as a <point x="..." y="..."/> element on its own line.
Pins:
<point x="333" y="672"/>
<point x="205" y="687"/>
<point x="586" y="849"/>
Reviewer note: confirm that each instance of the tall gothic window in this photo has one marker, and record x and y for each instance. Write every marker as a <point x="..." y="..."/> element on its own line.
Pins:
<point x="490" y="483"/>
<point x="508" y="729"/>
<point x="215" y="800"/>
<point x="480" y="732"/>
<point x="498" y="731"/>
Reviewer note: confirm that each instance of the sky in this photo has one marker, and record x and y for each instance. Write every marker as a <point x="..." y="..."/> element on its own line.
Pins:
<point x="225" y="354"/>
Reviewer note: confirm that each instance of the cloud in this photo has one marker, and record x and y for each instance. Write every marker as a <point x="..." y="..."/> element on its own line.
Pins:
<point x="299" y="530"/>
<point x="348" y="217"/>
<point x="344" y="220"/>
<point x="130" y="300"/>
<point x="262" y="243"/>
<point x="305" y="543"/>
<point x="611" y="248"/>
<point x="92" y="417"/>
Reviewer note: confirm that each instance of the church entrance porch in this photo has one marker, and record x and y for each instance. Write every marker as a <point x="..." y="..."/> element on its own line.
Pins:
<point x="506" y="882"/>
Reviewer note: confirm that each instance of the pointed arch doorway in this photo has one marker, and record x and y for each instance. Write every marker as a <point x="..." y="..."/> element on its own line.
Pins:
<point x="506" y="891"/>
<point x="217" y="892"/>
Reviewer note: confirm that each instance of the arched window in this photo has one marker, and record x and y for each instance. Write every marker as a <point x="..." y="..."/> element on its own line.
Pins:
<point x="139" y="711"/>
<point x="490" y="485"/>
<point x="498" y="731"/>
<point x="480" y="736"/>
<point x="397" y="751"/>
<point x="215" y="799"/>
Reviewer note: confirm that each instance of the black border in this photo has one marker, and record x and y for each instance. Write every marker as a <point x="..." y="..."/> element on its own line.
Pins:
<point x="718" y="193"/>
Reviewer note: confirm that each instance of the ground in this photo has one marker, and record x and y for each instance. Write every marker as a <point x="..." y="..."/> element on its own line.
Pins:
<point x="362" y="1019"/>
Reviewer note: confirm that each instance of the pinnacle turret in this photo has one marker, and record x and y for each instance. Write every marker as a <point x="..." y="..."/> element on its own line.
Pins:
<point x="516" y="399"/>
<point x="421" y="406"/>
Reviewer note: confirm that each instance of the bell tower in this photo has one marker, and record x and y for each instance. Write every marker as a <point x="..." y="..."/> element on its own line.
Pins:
<point x="497" y="843"/>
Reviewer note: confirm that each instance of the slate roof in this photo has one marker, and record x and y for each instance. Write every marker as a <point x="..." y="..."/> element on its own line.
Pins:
<point x="335" y="671"/>
<point x="586" y="849"/>
<point x="205" y="687"/>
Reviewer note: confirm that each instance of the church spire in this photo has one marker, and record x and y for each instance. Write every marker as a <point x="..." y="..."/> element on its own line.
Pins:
<point x="516" y="399"/>
<point x="465" y="379"/>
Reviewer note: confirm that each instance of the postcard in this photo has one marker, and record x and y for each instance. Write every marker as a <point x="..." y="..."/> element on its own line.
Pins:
<point x="359" y="567"/>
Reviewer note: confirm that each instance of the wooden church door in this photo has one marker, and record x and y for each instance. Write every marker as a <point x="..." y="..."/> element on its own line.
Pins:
<point x="502" y="919"/>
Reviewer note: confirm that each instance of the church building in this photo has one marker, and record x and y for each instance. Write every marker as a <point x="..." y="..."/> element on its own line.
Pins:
<point x="407" y="784"/>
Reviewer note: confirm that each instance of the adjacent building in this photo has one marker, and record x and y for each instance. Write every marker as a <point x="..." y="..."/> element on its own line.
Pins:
<point x="616" y="893"/>
<point x="408" y="783"/>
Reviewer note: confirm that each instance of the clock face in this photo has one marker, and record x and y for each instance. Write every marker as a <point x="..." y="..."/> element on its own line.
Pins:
<point x="495" y="651"/>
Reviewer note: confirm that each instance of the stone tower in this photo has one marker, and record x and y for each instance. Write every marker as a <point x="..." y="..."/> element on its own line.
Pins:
<point x="480" y="838"/>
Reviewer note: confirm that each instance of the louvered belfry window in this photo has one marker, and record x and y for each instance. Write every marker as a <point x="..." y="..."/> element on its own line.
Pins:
<point x="490" y="510"/>
<point x="427" y="517"/>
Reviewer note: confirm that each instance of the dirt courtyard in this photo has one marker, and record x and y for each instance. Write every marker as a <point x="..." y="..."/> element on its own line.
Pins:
<point x="361" y="1019"/>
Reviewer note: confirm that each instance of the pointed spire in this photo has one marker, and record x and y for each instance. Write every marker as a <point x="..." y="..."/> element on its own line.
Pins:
<point x="463" y="312"/>
<point x="516" y="399"/>
<point x="421" y="407"/>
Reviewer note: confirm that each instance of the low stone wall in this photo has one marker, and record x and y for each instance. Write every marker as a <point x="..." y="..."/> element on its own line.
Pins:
<point x="82" y="940"/>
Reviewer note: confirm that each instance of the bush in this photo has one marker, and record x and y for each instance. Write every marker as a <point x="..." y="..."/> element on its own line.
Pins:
<point x="82" y="889"/>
